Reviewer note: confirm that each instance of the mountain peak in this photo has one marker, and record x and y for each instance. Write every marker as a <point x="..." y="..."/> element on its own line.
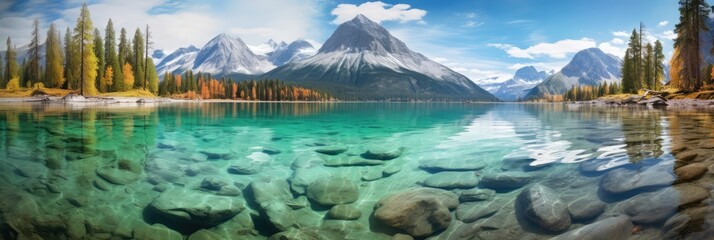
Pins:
<point x="360" y="34"/>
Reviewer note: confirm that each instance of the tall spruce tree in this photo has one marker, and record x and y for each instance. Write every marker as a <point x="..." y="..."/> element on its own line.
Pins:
<point x="111" y="58"/>
<point x="138" y="58"/>
<point x="11" y="70"/>
<point x="54" y="74"/>
<point x="122" y="58"/>
<point x="99" y="52"/>
<point x="659" y="65"/>
<point x="648" y="57"/>
<point x="71" y="62"/>
<point x="88" y="60"/>
<point x="687" y="61"/>
<point x="33" y="65"/>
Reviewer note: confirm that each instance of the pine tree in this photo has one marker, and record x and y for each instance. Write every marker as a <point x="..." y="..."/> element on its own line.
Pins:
<point x="128" y="75"/>
<point x="71" y="62"/>
<point x="11" y="70"/>
<point x="688" y="76"/>
<point x="649" y="66"/>
<point x="147" y="46"/>
<point x="659" y="65"/>
<point x="138" y="58"/>
<point x="54" y="74"/>
<point x="99" y="52"/>
<point x="33" y="65"/>
<point x="88" y="60"/>
<point x="153" y="80"/>
<point x="110" y="56"/>
<point x="636" y="58"/>
<point x="123" y="59"/>
<point x="628" y="79"/>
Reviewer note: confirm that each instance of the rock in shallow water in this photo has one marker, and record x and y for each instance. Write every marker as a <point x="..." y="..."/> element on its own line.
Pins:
<point x="623" y="180"/>
<point x="331" y="150"/>
<point x="245" y="167"/>
<point x="383" y="154"/>
<point x="690" y="172"/>
<point x="418" y="211"/>
<point x="451" y="165"/>
<point x="344" y="212"/>
<point x="194" y="207"/>
<point x="543" y="207"/>
<point x="474" y="195"/>
<point x="333" y="191"/>
<point x="156" y="232"/>
<point x="117" y="176"/>
<point x="351" y="161"/>
<point x="449" y="180"/>
<point x="266" y="190"/>
<point x="612" y="228"/>
<point x="506" y="180"/>
<point x="585" y="208"/>
<point x="654" y="207"/>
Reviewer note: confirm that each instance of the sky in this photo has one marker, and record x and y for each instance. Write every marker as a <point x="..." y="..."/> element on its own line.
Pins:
<point x="485" y="40"/>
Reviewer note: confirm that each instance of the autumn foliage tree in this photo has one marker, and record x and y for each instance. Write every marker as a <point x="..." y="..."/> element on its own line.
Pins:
<point x="128" y="76"/>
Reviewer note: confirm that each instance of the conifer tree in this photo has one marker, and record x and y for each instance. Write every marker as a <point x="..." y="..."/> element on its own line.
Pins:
<point x="138" y="58"/>
<point x="54" y="74"/>
<point x="659" y="65"/>
<point x="71" y="62"/>
<point x="87" y="60"/>
<point x="11" y="70"/>
<point x="648" y="66"/>
<point x="99" y="52"/>
<point x="33" y="65"/>
<point x="687" y="62"/>
<point x="153" y="80"/>
<point x="110" y="56"/>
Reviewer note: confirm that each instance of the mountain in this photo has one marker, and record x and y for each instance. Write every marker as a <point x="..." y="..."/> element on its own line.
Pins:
<point x="588" y="67"/>
<point x="225" y="55"/>
<point x="267" y="47"/>
<point x="297" y="50"/>
<point x="362" y="60"/>
<point x="158" y="55"/>
<point x="178" y="61"/>
<point x="522" y="82"/>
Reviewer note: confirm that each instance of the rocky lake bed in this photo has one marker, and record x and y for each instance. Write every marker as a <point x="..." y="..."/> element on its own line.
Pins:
<point x="215" y="172"/>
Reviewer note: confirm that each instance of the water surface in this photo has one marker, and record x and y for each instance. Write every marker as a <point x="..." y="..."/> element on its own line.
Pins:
<point x="175" y="170"/>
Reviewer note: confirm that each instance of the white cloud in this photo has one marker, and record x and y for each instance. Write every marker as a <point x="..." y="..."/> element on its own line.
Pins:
<point x="616" y="47"/>
<point x="473" y="24"/>
<point x="559" y="49"/>
<point x="617" y="41"/>
<point x="669" y="35"/>
<point x="663" y="23"/>
<point x="621" y="34"/>
<point x="378" y="12"/>
<point x="194" y="23"/>
<point x="470" y="15"/>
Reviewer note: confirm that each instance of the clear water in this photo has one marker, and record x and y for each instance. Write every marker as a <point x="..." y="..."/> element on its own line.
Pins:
<point x="97" y="171"/>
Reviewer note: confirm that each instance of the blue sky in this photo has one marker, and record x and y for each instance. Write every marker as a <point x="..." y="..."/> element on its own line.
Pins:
<point x="478" y="38"/>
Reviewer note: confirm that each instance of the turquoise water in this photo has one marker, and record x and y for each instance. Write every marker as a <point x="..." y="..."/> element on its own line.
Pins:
<point x="256" y="170"/>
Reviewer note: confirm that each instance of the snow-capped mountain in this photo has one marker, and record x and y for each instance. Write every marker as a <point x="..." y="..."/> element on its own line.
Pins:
<point x="267" y="47"/>
<point x="225" y="55"/>
<point x="588" y="67"/>
<point x="522" y="82"/>
<point x="158" y="55"/>
<point x="178" y="61"/>
<point x="297" y="50"/>
<point x="362" y="60"/>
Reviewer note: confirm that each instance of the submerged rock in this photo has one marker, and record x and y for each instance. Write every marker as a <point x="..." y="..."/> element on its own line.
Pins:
<point x="451" y="165"/>
<point x="332" y="150"/>
<point x="217" y="153"/>
<point x="344" y="212"/>
<point x="474" y="195"/>
<point x="352" y="161"/>
<point x="213" y="183"/>
<point x="690" y="172"/>
<point x="266" y="190"/>
<point x="506" y="180"/>
<point x="383" y="154"/>
<point x="543" y="207"/>
<point x="333" y="191"/>
<point x="472" y="211"/>
<point x="612" y="228"/>
<point x="194" y="207"/>
<point x="245" y="167"/>
<point x="623" y="180"/>
<point x="280" y="215"/>
<point x="418" y="211"/>
<point x="156" y="232"/>
<point x="117" y="176"/>
<point x="585" y="208"/>
<point x="654" y="207"/>
<point x="391" y="170"/>
<point x="310" y="233"/>
<point x="449" y="180"/>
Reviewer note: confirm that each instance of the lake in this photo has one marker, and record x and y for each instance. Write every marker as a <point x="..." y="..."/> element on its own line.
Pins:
<point x="355" y="171"/>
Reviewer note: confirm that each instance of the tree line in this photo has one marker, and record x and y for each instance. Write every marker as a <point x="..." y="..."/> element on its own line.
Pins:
<point x="202" y="85"/>
<point x="687" y="71"/>
<point x="587" y="92"/>
<point x="643" y="66"/>
<point x="86" y="62"/>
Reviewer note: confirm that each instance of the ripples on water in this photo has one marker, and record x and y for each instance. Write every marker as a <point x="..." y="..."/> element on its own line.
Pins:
<point x="251" y="171"/>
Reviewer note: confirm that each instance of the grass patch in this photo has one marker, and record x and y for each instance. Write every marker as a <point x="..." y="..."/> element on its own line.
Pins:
<point x="27" y="92"/>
